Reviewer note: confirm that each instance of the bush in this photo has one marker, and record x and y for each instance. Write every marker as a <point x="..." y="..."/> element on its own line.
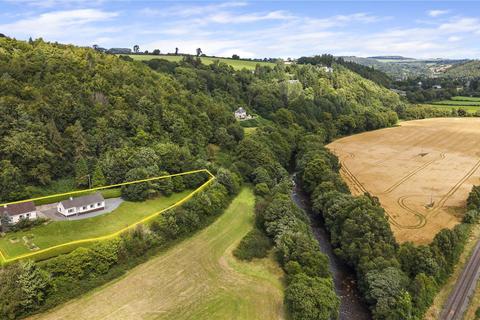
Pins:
<point x="471" y="216"/>
<point x="26" y="224"/>
<point x="261" y="189"/>
<point x="254" y="245"/>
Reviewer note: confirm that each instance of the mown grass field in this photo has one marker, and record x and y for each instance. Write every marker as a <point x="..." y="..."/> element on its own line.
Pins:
<point x="236" y="64"/>
<point x="469" y="104"/>
<point x="469" y="109"/>
<point x="58" y="232"/>
<point x="463" y="98"/>
<point x="196" y="279"/>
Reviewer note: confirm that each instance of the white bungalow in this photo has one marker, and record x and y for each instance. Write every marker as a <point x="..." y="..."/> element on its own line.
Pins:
<point x="18" y="211"/>
<point x="240" y="114"/>
<point x="85" y="204"/>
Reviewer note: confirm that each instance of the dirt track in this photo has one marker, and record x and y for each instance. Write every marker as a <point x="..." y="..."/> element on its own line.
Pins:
<point x="421" y="171"/>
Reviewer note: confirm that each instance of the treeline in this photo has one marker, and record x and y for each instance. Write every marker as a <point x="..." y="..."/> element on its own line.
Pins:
<point x="397" y="281"/>
<point x="27" y="287"/>
<point x="413" y="112"/>
<point x="261" y="158"/>
<point x="367" y="72"/>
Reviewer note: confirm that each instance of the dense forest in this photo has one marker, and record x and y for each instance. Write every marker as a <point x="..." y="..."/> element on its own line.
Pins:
<point x="69" y="111"/>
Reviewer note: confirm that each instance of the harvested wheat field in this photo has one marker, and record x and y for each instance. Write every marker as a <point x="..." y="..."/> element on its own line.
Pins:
<point x="422" y="172"/>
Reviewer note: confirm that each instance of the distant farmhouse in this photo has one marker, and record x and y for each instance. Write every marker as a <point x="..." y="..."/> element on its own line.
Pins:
<point x="437" y="86"/>
<point x="119" y="51"/>
<point x="327" y="69"/>
<point x="85" y="204"/>
<point x="19" y="211"/>
<point x="241" y="114"/>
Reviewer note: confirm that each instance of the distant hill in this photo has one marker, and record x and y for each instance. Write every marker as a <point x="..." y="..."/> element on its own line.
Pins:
<point x="390" y="58"/>
<point x="469" y="69"/>
<point x="400" y="68"/>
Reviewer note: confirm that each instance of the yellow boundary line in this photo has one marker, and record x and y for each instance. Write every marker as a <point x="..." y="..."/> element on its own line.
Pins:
<point x="117" y="233"/>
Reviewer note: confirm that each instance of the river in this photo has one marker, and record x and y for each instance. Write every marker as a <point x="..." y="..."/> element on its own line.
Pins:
<point x="351" y="305"/>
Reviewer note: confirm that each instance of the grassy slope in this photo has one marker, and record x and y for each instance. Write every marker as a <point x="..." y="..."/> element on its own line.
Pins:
<point x="237" y="64"/>
<point x="58" y="232"/>
<point x="196" y="279"/>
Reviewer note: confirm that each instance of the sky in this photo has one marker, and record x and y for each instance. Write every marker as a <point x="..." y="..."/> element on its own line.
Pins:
<point x="254" y="29"/>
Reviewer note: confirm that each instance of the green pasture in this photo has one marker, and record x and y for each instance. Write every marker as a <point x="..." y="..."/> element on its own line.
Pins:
<point x="469" y="109"/>
<point x="59" y="232"/>
<point x="463" y="98"/>
<point x="236" y="64"/>
<point x="456" y="103"/>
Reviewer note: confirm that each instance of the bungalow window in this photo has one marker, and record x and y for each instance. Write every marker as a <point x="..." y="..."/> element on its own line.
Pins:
<point x="99" y="204"/>
<point x="91" y="206"/>
<point x="21" y="216"/>
<point x="84" y="208"/>
<point x="70" y="210"/>
<point x="28" y="215"/>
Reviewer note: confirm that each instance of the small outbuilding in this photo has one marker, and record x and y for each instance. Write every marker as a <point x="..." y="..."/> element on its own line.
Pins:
<point x="19" y="211"/>
<point x="84" y="204"/>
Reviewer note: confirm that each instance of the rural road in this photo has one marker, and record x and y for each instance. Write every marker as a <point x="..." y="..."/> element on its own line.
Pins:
<point x="459" y="298"/>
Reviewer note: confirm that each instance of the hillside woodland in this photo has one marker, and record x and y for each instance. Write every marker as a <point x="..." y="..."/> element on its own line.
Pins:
<point x="68" y="111"/>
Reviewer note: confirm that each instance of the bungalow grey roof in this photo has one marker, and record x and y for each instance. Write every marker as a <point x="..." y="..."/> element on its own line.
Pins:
<point x="18" y="208"/>
<point x="82" y="201"/>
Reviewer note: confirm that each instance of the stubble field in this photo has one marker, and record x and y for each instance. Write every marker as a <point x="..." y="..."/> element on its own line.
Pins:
<point x="421" y="171"/>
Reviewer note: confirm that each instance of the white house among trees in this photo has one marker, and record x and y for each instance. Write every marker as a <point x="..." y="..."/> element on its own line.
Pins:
<point x="18" y="211"/>
<point x="241" y="114"/>
<point x="88" y="203"/>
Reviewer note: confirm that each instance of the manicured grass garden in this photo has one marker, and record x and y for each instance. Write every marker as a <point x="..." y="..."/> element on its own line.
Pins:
<point x="59" y="232"/>
<point x="236" y="64"/>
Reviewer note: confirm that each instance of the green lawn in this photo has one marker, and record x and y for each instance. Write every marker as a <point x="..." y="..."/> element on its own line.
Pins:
<point x="58" y="232"/>
<point x="198" y="278"/>
<point x="236" y="64"/>
<point x="249" y="131"/>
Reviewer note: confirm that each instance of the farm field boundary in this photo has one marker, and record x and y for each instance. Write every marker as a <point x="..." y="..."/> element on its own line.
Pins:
<point x="74" y="244"/>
